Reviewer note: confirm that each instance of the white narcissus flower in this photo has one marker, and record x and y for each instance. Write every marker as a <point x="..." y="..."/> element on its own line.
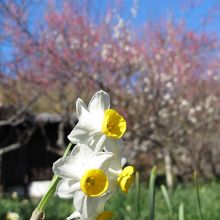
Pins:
<point x="89" y="175"/>
<point x="84" y="177"/>
<point x="98" y="122"/>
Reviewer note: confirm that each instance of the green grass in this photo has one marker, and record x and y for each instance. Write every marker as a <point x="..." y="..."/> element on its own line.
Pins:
<point x="57" y="209"/>
<point x="125" y="206"/>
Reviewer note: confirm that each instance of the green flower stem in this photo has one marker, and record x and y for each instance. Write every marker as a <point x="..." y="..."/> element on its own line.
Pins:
<point x="52" y="188"/>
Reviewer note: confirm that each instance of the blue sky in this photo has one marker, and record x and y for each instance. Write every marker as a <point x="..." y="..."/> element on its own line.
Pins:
<point x="154" y="10"/>
<point x="150" y="10"/>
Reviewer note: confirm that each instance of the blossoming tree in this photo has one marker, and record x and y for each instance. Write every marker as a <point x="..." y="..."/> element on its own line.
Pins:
<point x="163" y="76"/>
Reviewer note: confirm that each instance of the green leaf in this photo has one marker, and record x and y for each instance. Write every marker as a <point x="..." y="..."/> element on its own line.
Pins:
<point x="197" y="196"/>
<point x="137" y="185"/>
<point x="152" y="192"/>
<point x="167" y="199"/>
<point x="181" y="212"/>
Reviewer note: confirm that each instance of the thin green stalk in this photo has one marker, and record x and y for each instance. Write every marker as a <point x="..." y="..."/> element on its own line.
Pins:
<point x="49" y="194"/>
<point x="181" y="212"/>
<point x="197" y="195"/>
<point x="52" y="188"/>
<point x="137" y="184"/>
<point x="167" y="199"/>
<point x="152" y="192"/>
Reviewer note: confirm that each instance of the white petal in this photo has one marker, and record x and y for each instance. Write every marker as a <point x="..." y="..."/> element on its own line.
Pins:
<point x="85" y="130"/>
<point x="96" y="143"/>
<point x="102" y="202"/>
<point x="80" y="133"/>
<point x="68" y="167"/>
<point x="75" y="214"/>
<point x="99" y="102"/>
<point x="114" y="145"/>
<point x="82" y="153"/>
<point x="75" y="150"/>
<point x="100" y="208"/>
<point x="91" y="206"/>
<point x="66" y="188"/>
<point x="100" y="160"/>
<point x="81" y="108"/>
<point x="85" y="205"/>
<point x="79" y="200"/>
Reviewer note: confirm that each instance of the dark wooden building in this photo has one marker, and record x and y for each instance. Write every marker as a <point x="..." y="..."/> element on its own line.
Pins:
<point x="29" y="147"/>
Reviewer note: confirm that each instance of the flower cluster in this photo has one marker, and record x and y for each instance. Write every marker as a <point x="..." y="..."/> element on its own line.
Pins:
<point x="94" y="169"/>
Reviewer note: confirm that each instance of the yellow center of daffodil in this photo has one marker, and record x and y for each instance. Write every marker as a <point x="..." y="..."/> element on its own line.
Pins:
<point x="113" y="125"/>
<point x="126" y="178"/>
<point x="94" y="182"/>
<point x="105" y="215"/>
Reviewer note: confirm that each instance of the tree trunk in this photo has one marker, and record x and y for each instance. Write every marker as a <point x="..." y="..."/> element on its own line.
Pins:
<point x="168" y="169"/>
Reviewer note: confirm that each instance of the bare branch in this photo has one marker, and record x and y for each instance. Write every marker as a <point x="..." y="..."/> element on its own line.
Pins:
<point x="19" y="113"/>
<point x="9" y="148"/>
